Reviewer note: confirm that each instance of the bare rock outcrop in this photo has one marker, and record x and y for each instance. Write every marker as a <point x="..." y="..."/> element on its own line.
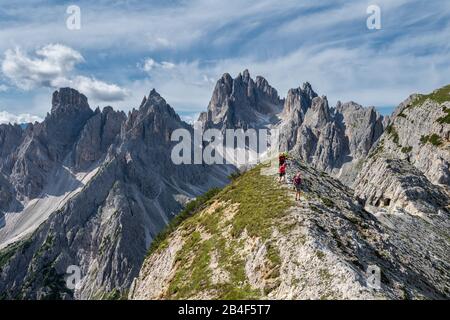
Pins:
<point x="106" y="188"/>
<point x="408" y="168"/>
<point x="241" y="103"/>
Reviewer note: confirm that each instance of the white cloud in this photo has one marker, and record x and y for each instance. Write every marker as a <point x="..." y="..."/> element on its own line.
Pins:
<point x="150" y="64"/>
<point x="3" y="88"/>
<point x="99" y="90"/>
<point x="6" y="117"/>
<point x="52" y="66"/>
<point x="185" y="85"/>
<point x="326" y="43"/>
<point x="156" y="43"/>
<point x="167" y="65"/>
<point x="190" y="118"/>
<point x="144" y="25"/>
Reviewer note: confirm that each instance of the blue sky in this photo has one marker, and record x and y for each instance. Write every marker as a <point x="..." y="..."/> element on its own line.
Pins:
<point x="126" y="48"/>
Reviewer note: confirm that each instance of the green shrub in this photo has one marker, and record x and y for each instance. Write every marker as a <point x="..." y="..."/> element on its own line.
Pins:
<point x="234" y="175"/>
<point x="440" y="96"/>
<point x="328" y="202"/>
<point x="192" y="207"/>
<point x="390" y="129"/>
<point x="406" y="149"/>
<point x="378" y="149"/>
<point x="446" y="118"/>
<point x="434" y="139"/>
<point x="424" y="139"/>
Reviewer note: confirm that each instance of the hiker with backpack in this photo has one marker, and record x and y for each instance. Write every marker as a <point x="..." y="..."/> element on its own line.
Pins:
<point x="297" y="181"/>
<point x="282" y="158"/>
<point x="282" y="166"/>
<point x="282" y="172"/>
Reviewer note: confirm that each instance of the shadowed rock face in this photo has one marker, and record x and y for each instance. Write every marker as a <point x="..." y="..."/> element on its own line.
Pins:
<point x="332" y="139"/>
<point x="106" y="186"/>
<point x="241" y="103"/>
<point x="10" y="137"/>
<point x="335" y="140"/>
<point x="46" y="145"/>
<point x="297" y="103"/>
<point x="99" y="133"/>
<point x="408" y="169"/>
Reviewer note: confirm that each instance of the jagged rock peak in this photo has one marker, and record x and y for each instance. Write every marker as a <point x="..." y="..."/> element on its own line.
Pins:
<point x="107" y="109"/>
<point x="154" y="98"/>
<point x="226" y="78"/>
<point x="241" y="101"/>
<point x="299" y="99"/>
<point x="305" y="91"/>
<point x="144" y="100"/>
<point x="352" y="106"/>
<point x="65" y="98"/>
<point x="307" y="88"/>
<point x="154" y="103"/>
<point x="320" y="111"/>
<point x="246" y="75"/>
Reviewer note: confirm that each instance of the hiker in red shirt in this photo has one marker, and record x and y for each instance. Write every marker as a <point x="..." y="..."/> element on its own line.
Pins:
<point x="282" y="171"/>
<point x="282" y="158"/>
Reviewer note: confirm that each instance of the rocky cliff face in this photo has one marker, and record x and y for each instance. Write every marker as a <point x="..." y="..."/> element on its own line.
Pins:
<point x="99" y="133"/>
<point x="241" y="103"/>
<point x="10" y="138"/>
<point x="47" y="144"/>
<point x="336" y="140"/>
<point x="408" y="169"/>
<point x="102" y="188"/>
<point x="322" y="247"/>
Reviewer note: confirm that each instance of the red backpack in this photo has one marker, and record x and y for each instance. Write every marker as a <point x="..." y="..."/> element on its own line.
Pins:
<point x="297" y="180"/>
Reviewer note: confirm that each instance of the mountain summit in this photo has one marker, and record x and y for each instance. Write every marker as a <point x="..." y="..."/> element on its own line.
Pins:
<point x="241" y="103"/>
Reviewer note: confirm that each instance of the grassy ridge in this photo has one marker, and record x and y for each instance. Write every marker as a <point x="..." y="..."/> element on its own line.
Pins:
<point x="192" y="207"/>
<point x="250" y="205"/>
<point x="440" y="96"/>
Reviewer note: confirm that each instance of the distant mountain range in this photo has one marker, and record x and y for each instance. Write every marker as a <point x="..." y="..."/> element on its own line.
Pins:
<point x="94" y="188"/>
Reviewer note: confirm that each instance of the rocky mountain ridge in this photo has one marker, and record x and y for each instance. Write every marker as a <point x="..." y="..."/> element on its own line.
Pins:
<point x="408" y="168"/>
<point x="332" y="139"/>
<point x="322" y="247"/>
<point x="88" y="198"/>
<point x="93" y="189"/>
